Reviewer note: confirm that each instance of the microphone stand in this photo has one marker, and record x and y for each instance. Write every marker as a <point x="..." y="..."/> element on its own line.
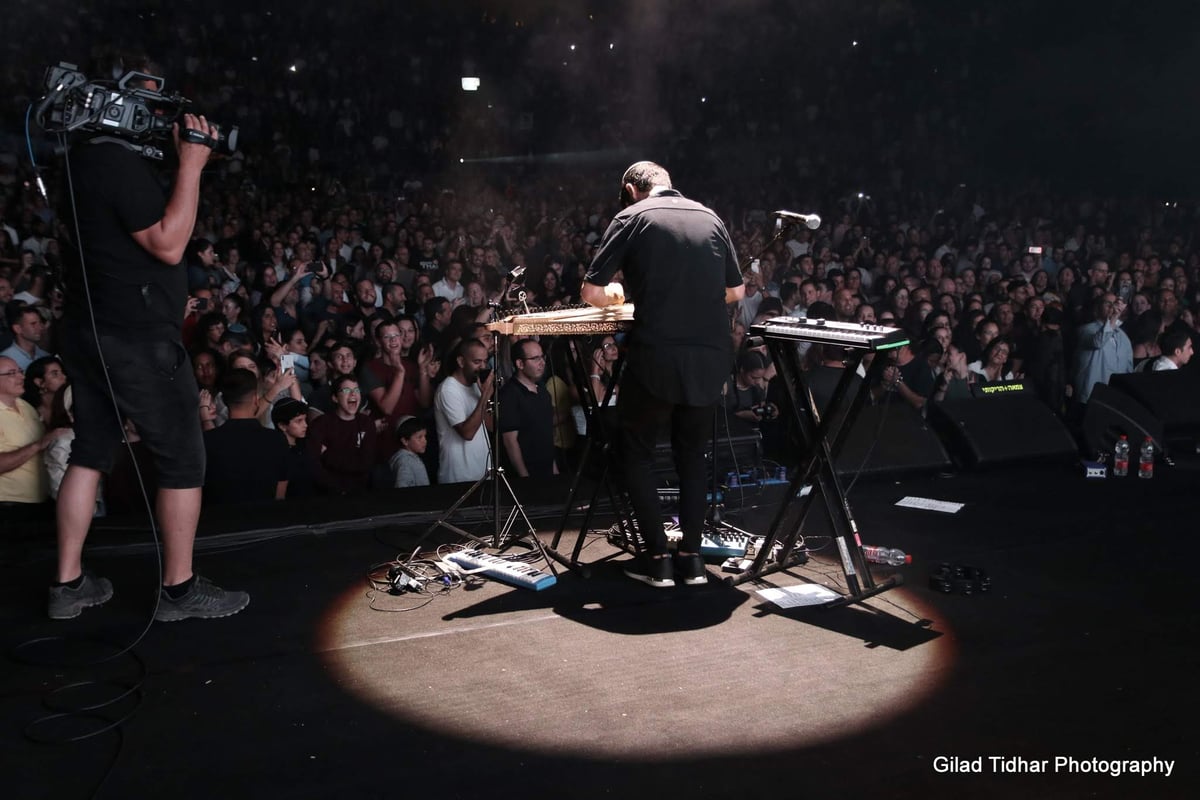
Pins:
<point x="496" y="476"/>
<point x="714" y="504"/>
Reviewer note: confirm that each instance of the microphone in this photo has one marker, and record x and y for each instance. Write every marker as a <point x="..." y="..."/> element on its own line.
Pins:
<point x="810" y="221"/>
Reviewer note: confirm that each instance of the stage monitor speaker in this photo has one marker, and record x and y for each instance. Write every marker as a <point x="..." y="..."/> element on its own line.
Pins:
<point x="1002" y="429"/>
<point x="1110" y="413"/>
<point x="1170" y="395"/>
<point x="738" y="447"/>
<point x="891" y="439"/>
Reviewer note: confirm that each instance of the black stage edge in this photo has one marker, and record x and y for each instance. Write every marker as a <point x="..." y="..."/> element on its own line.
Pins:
<point x="1085" y="648"/>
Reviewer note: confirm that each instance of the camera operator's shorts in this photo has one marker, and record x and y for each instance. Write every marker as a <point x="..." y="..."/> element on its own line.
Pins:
<point x="156" y="390"/>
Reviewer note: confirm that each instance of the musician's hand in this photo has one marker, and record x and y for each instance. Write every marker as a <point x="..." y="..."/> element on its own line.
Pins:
<point x="615" y="293"/>
<point x="487" y="386"/>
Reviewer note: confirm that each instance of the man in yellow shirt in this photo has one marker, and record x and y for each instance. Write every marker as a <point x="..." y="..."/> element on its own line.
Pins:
<point x="22" y="439"/>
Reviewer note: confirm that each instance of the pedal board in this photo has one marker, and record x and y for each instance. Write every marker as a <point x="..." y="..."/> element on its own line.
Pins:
<point x="959" y="578"/>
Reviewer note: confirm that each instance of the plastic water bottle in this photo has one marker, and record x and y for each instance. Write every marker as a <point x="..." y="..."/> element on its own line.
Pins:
<point x="886" y="555"/>
<point x="1121" y="457"/>
<point x="1146" y="459"/>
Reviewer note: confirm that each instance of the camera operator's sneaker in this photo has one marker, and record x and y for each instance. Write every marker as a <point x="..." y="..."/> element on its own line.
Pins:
<point x="656" y="572"/>
<point x="205" y="600"/>
<point x="68" y="603"/>
<point x="689" y="568"/>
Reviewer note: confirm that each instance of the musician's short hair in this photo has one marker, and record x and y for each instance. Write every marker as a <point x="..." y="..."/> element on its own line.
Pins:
<point x="645" y="175"/>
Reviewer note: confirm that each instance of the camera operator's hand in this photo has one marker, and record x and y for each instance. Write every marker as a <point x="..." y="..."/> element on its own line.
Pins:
<point x="191" y="155"/>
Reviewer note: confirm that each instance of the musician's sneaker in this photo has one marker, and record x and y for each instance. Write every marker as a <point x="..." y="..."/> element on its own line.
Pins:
<point x="689" y="568"/>
<point x="656" y="572"/>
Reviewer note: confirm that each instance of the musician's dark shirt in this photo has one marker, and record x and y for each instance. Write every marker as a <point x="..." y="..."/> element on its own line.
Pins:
<point x="677" y="260"/>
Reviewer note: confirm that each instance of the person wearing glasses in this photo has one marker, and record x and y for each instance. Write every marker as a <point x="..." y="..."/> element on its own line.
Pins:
<point x="23" y="439"/>
<point x="680" y="272"/>
<point x="604" y="357"/>
<point x="343" y="443"/>
<point x="527" y="414"/>
<point x="398" y="382"/>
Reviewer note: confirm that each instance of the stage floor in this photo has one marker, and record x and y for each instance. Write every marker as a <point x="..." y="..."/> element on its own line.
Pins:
<point x="602" y="687"/>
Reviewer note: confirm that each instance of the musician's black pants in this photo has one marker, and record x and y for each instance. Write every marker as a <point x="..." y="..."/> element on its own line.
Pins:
<point x="641" y="416"/>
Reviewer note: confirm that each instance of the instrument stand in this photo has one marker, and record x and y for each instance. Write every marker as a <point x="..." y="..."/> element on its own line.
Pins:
<point x="599" y="447"/>
<point x="495" y="475"/>
<point x="712" y="519"/>
<point x="824" y="436"/>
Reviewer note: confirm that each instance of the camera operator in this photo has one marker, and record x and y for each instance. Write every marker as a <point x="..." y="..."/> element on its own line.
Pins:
<point x="127" y="280"/>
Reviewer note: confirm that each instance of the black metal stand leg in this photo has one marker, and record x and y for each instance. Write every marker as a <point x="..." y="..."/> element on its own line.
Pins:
<point x="496" y="476"/>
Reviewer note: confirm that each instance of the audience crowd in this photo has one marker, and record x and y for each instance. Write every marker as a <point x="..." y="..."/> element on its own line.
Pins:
<point x="343" y="269"/>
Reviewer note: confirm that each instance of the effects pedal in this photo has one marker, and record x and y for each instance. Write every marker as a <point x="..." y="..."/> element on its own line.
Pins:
<point x="951" y="578"/>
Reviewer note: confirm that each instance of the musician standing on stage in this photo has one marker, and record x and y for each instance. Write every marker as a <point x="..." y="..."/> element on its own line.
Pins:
<point x="680" y="272"/>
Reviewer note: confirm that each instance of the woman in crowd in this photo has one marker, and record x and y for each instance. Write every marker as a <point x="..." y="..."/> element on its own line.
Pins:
<point x="993" y="365"/>
<point x="1063" y="282"/>
<point x="206" y="364"/>
<point x="550" y="293"/>
<point x="267" y="282"/>
<point x="209" y="330"/>
<point x="603" y="358"/>
<point x="897" y="302"/>
<point x="233" y="309"/>
<point x="265" y="327"/>
<point x="43" y="379"/>
<point x="319" y="373"/>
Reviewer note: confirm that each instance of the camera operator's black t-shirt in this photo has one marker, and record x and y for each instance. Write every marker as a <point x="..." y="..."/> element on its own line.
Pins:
<point x="116" y="193"/>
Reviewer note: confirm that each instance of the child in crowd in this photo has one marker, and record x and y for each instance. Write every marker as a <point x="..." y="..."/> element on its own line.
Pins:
<point x="406" y="464"/>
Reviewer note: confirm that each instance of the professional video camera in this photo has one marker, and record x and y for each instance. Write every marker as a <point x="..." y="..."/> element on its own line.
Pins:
<point x="130" y="111"/>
